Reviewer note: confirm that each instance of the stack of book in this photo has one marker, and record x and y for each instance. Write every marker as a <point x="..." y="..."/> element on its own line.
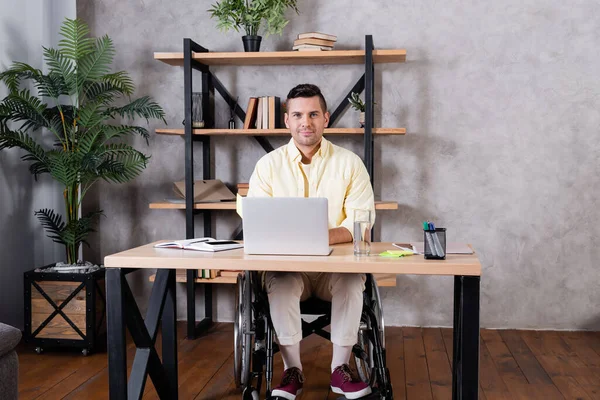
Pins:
<point x="242" y="189"/>
<point x="263" y="113"/>
<point x="314" y="41"/>
<point x="230" y="273"/>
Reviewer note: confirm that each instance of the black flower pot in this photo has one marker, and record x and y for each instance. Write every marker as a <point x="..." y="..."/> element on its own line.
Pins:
<point x="251" y="42"/>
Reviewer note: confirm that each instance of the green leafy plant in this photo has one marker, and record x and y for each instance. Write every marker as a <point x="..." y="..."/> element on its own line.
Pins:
<point x="356" y="102"/>
<point x="76" y="108"/>
<point x="249" y="15"/>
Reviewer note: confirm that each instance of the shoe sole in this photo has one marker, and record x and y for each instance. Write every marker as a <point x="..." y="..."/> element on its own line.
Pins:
<point x="353" y="395"/>
<point x="285" y="395"/>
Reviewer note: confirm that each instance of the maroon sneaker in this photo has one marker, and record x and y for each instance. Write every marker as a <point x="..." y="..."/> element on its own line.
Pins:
<point x="342" y="382"/>
<point x="291" y="384"/>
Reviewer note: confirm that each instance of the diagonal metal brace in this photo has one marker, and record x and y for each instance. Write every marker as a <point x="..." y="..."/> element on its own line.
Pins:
<point x="143" y="332"/>
<point x="359" y="86"/>
<point x="58" y="309"/>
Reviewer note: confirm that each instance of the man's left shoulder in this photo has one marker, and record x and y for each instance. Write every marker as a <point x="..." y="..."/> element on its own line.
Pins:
<point x="344" y="154"/>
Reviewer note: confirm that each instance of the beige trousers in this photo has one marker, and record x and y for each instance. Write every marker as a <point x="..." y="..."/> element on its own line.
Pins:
<point x="344" y="291"/>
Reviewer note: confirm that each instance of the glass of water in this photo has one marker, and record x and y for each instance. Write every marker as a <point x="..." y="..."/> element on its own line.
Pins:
<point x="362" y="232"/>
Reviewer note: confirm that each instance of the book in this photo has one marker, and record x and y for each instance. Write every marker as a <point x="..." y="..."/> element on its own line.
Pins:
<point x="250" y="119"/>
<point x="265" y="110"/>
<point x="242" y="189"/>
<point x="233" y="273"/>
<point x="311" y="47"/>
<point x="317" y="35"/>
<point x="205" y="191"/>
<point x="317" y="42"/>
<point x="201" y="244"/>
<point x="259" y="113"/>
<point x="274" y="112"/>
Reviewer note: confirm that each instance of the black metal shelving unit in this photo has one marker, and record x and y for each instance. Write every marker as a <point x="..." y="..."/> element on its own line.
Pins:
<point x="209" y="84"/>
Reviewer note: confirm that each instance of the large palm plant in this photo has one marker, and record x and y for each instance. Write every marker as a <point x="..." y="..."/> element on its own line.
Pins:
<point x="76" y="105"/>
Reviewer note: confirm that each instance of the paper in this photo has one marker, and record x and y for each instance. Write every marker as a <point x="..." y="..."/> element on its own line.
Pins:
<point x="206" y="191"/>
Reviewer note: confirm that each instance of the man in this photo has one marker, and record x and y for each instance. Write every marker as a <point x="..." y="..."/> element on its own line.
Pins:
<point x="311" y="166"/>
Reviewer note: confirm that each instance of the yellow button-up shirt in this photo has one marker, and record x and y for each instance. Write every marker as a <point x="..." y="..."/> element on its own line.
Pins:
<point x="335" y="173"/>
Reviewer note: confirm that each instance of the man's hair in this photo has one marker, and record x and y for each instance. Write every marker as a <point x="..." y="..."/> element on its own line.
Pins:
<point x="308" y="90"/>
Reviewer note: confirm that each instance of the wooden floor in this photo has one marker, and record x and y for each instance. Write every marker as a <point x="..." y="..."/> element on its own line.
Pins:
<point x="514" y="365"/>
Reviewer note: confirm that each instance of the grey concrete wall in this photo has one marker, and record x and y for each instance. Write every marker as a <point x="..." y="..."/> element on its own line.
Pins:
<point x="25" y="26"/>
<point x="502" y="105"/>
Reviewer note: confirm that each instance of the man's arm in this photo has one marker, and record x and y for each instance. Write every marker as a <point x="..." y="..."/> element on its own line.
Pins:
<point x="359" y="196"/>
<point x="339" y="235"/>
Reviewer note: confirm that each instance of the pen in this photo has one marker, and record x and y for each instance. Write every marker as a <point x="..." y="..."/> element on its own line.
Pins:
<point x="429" y="239"/>
<point x="436" y="241"/>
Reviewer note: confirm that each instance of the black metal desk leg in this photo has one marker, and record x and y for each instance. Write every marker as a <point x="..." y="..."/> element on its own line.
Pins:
<point x="169" y="336"/>
<point x="115" y="319"/>
<point x="190" y="287"/>
<point x="465" y="363"/>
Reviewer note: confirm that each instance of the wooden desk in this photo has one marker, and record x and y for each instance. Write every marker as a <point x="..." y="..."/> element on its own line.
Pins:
<point x="122" y="310"/>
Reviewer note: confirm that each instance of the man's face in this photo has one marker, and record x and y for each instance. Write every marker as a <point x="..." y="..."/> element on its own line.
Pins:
<point x="306" y="120"/>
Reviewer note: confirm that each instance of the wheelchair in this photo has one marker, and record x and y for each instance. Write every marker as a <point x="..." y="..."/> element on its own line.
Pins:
<point x="254" y="346"/>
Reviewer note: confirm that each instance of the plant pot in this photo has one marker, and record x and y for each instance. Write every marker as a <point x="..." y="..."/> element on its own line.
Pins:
<point x="361" y="119"/>
<point x="251" y="42"/>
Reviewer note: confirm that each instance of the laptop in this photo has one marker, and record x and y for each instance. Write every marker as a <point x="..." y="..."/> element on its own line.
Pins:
<point x="285" y="226"/>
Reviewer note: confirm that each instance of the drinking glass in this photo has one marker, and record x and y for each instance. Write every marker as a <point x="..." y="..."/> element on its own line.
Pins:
<point x="362" y="232"/>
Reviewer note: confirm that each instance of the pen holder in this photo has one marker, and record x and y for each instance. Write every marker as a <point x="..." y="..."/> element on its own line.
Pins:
<point x="435" y="244"/>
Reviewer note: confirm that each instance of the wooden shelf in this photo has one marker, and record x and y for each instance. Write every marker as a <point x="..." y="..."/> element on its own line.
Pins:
<point x="230" y="205"/>
<point x="279" y="132"/>
<point x="387" y="280"/>
<point x="286" y="57"/>
<point x="180" y="276"/>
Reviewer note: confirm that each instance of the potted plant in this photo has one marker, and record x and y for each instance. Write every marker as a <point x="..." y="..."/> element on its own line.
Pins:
<point x="251" y="16"/>
<point x="359" y="105"/>
<point x="76" y="107"/>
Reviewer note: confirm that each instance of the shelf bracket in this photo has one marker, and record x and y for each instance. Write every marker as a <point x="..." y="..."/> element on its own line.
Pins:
<point x="359" y="86"/>
<point x="228" y="97"/>
<point x="262" y="141"/>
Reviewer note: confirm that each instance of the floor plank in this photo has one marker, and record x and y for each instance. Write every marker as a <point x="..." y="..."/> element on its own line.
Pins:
<point x="394" y="342"/>
<point x="507" y="367"/>
<point x="561" y="363"/>
<point x="418" y="385"/>
<point x="438" y="364"/>
<point x="529" y="365"/>
<point x="520" y="365"/>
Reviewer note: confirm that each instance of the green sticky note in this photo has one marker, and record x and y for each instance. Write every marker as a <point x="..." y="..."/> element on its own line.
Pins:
<point x="396" y="253"/>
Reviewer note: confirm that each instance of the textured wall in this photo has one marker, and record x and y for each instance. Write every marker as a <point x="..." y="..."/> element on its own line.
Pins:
<point x="501" y="103"/>
<point x="25" y="26"/>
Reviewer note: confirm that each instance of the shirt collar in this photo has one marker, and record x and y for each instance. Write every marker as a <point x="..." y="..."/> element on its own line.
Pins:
<point x="295" y="154"/>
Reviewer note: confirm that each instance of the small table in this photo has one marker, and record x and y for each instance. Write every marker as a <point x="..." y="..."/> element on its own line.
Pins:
<point x="122" y="309"/>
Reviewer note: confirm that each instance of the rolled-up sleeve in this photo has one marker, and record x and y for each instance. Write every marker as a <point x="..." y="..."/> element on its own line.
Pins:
<point x="359" y="196"/>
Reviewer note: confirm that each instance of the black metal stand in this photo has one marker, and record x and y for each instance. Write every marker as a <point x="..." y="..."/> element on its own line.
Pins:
<point x="465" y="356"/>
<point x="94" y="302"/>
<point x="123" y="312"/>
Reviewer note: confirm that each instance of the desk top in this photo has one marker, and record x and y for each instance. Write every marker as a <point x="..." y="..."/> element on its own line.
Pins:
<point x="341" y="259"/>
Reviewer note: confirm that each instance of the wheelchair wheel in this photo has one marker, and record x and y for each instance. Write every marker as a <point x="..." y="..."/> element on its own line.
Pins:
<point x="377" y="307"/>
<point x="242" y="327"/>
<point x="363" y="356"/>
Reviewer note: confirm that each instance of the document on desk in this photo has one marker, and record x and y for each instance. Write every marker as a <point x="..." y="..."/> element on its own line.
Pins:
<point x="451" y="248"/>
<point x="201" y="244"/>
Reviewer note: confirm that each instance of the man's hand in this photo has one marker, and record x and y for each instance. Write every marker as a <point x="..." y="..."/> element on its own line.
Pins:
<point x="339" y="235"/>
